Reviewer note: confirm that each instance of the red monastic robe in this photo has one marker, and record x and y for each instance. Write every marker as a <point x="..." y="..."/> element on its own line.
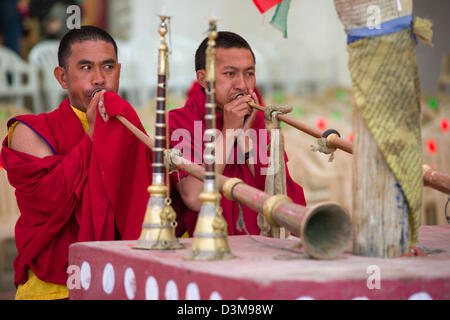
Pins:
<point x="86" y="191"/>
<point x="188" y="137"/>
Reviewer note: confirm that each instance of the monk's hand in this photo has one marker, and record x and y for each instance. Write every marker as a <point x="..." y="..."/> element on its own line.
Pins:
<point x="91" y="112"/>
<point x="234" y="112"/>
<point x="102" y="109"/>
<point x="248" y="123"/>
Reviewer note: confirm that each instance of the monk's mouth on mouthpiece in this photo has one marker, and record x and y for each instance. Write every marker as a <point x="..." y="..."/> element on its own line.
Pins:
<point x="95" y="91"/>
<point x="238" y="95"/>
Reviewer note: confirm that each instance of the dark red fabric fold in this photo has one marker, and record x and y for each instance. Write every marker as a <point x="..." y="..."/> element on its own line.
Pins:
<point x="84" y="192"/>
<point x="187" y="127"/>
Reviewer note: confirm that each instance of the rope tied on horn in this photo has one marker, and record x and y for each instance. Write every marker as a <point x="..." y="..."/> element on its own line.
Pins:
<point x="322" y="144"/>
<point x="276" y="173"/>
<point x="169" y="155"/>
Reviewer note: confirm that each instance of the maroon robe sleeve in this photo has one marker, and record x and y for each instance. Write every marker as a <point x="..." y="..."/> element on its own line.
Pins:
<point x="47" y="192"/>
<point x="122" y="165"/>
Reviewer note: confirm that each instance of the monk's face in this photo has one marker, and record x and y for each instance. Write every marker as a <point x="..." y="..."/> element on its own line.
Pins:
<point x="91" y="65"/>
<point x="235" y="73"/>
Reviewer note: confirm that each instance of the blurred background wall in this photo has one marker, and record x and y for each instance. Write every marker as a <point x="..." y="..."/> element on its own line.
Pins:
<point x="313" y="56"/>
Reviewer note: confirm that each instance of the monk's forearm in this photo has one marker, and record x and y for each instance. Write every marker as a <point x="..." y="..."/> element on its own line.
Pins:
<point x="189" y="189"/>
<point x="224" y="146"/>
<point x="245" y="144"/>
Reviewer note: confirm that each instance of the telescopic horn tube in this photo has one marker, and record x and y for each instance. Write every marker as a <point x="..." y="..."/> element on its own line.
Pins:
<point x="432" y="178"/>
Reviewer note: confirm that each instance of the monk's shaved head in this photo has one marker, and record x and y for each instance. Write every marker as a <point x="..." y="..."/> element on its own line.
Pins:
<point x="225" y="40"/>
<point x="85" y="33"/>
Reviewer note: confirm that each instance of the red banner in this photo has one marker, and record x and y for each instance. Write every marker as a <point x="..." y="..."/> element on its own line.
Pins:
<point x="264" y="5"/>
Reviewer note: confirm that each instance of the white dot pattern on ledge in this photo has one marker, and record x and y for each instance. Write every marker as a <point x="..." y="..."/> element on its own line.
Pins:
<point x="420" y="296"/>
<point x="305" y="298"/>
<point x="85" y="275"/>
<point x="171" y="289"/>
<point x="129" y="282"/>
<point x="192" y="291"/>
<point x="151" y="289"/>
<point x="108" y="279"/>
<point x="215" y="296"/>
<point x="171" y="292"/>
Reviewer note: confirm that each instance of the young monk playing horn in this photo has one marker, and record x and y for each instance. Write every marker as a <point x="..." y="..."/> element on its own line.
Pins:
<point x="247" y="158"/>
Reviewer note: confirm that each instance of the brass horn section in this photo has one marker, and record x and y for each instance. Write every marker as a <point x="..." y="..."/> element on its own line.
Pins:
<point x="210" y="236"/>
<point x="325" y="229"/>
<point x="158" y="229"/>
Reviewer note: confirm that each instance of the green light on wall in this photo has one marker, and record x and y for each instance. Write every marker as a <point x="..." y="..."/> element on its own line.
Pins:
<point x="433" y="103"/>
<point x="278" y="96"/>
<point x="341" y="95"/>
<point x="337" y="115"/>
<point x="298" y="112"/>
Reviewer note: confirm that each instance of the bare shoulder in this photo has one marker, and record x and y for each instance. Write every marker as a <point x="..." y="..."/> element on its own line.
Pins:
<point x="25" y="140"/>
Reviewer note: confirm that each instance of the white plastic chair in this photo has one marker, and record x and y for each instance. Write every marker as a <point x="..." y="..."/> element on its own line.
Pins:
<point x="18" y="79"/>
<point x="44" y="56"/>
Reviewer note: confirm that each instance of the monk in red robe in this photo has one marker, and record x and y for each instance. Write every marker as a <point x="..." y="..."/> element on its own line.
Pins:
<point x="245" y="157"/>
<point x="79" y="175"/>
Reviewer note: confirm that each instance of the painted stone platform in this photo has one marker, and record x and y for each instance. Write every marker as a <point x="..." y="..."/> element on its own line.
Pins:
<point x="113" y="270"/>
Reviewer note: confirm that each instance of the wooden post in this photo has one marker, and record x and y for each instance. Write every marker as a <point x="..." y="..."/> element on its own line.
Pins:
<point x="380" y="223"/>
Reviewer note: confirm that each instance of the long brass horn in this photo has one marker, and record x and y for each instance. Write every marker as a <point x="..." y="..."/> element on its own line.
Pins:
<point x="431" y="178"/>
<point x="158" y="229"/>
<point x="210" y="234"/>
